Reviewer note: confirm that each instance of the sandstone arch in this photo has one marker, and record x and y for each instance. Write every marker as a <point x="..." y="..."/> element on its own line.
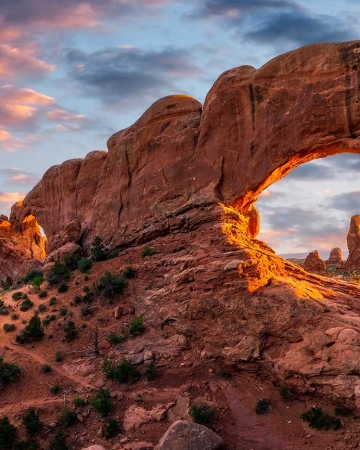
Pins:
<point x="255" y="126"/>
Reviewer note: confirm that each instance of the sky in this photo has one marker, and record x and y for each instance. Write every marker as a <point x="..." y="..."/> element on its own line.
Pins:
<point x="72" y="73"/>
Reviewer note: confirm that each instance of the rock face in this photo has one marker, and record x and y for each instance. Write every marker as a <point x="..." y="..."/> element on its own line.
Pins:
<point x="335" y="258"/>
<point x="314" y="264"/>
<point x="353" y="243"/>
<point x="179" y="156"/>
<point x="189" y="436"/>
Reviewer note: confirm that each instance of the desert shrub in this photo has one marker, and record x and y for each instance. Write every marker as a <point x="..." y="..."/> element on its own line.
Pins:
<point x="88" y="297"/>
<point x="4" y="310"/>
<point x="49" y="318"/>
<point x="26" y="305"/>
<point x="71" y="261"/>
<point x="14" y="316"/>
<point x="29" y="444"/>
<point x="33" y="274"/>
<point x="86" y="278"/>
<point x="97" y="249"/>
<point x="52" y="301"/>
<point x="8" y="283"/>
<point x="7" y="433"/>
<point x="86" y="310"/>
<point x="41" y="307"/>
<point x="101" y="402"/>
<point x="129" y="272"/>
<point x="46" y="368"/>
<point x="67" y="418"/>
<point x="202" y="414"/>
<point x="70" y="331"/>
<point x="59" y="356"/>
<point x="8" y="373"/>
<point x="84" y="265"/>
<point x="31" y="422"/>
<point x="56" y="389"/>
<point x="147" y="251"/>
<point x="111" y="429"/>
<point x="58" y="273"/>
<point x="342" y="411"/>
<point x="77" y="299"/>
<point x="223" y="373"/>
<point x="111" y="284"/>
<point x="86" y="289"/>
<point x="8" y="327"/>
<point x="286" y="393"/>
<point x="123" y="372"/>
<point x="42" y="294"/>
<point x="150" y="372"/>
<point x="262" y="406"/>
<point x="136" y="326"/>
<point x="63" y="288"/>
<point x="63" y="311"/>
<point x="58" y="441"/>
<point x="319" y="420"/>
<point x="34" y="329"/>
<point x="114" y="339"/>
<point x="79" y="402"/>
<point x="37" y="281"/>
<point x="17" y="295"/>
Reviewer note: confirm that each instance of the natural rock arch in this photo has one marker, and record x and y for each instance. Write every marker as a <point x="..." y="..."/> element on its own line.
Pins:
<point x="255" y="126"/>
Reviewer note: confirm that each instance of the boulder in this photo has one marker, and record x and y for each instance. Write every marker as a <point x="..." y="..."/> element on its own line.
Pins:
<point x="189" y="436"/>
<point x="314" y="264"/>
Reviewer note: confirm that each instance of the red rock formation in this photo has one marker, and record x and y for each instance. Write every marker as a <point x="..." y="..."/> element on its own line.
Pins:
<point x="335" y="259"/>
<point x="353" y="243"/>
<point x="313" y="263"/>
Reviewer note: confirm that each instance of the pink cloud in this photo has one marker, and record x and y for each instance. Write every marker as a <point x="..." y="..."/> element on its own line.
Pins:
<point x="11" y="197"/>
<point x="60" y="115"/>
<point x="8" y="142"/>
<point x="22" y="180"/>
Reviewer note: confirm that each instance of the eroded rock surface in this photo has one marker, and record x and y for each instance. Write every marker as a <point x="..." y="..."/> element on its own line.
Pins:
<point x="335" y="258"/>
<point x="313" y="263"/>
<point x="353" y="243"/>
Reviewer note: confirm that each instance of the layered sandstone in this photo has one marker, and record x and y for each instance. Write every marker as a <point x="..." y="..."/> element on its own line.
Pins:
<point x="335" y="258"/>
<point x="353" y="243"/>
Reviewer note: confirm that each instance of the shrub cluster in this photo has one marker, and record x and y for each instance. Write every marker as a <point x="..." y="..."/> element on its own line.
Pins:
<point x="58" y="273"/>
<point x="34" y="330"/>
<point x="101" y="402"/>
<point x="319" y="420"/>
<point x="202" y="414"/>
<point x="8" y="373"/>
<point x="123" y="372"/>
<point x="111" y="284"/>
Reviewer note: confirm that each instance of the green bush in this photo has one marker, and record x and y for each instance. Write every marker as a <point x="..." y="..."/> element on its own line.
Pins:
<point x="63" y="311"/>
<point x="202" y="414"/>
<point x="8" y="283"/>
<point x="63" y="288"/>
<point x="77" y="299"/>
<point x="56" y="389"/>
<point x="43" y="294"/>
<point x="34" y="329"/>
<point x="7" y="433"/>
<point x="342" y="411"/>
<point x="8" y="373"/>
<point x="129" y="272"/>
<point x="71" y="261"/>
<point x="86" y="289"/>
<point x="17" y="295"/>
<point x="86" y="310"/>
<point x="29" y="444"/>
<point x="58" y="442"/>
<point x="79" y="402"/>
<point x="67" y="418"/>
<point x="37" y="281"/>
<point x="70" y="331"/>
<point x="8" y="327"/>
<point x="111" y="429"/>
<point x="319" y="420"/>
<point x="33" y="274"/>
<point x="4" y="310"/>
<point x="58" y="273"/>
<point x="26" y="305"/>
<point x="59" y="356"/>
<point x="114" y="339"/>
<point x="123" y="372"/>
<point x="85" y="264"/>
<point x="52" y="301"/>
<point x="41" y="307"/>
<point x="150" y="372"/>
<point x="111" y="284"/>
<point x="31" y="422"/>
<point x="286" y="393"/>
<point x="223" y="373"/>
<point x="14" y="316"/>
<point x="262" y="406"/>
<point x="46" y="368"/>
<point x="113" y="254"/>
<point x="147" y="251"/>
<point x="97" y="250"/>
<point x="136" y="326"/>
<point x="101" y="402"/>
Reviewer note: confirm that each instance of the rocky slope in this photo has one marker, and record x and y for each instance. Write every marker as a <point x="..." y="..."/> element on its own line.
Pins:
<point x="183" y="179"/>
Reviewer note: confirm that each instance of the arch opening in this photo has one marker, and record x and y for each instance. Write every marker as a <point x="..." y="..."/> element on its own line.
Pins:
<point x="311" y="207"/>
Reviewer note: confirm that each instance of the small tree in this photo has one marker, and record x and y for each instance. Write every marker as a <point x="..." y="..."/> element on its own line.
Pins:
<point x="101" y="402"/>
<point x="8" y="373"/>
<point x="31" y="422"/>
<point x="111" y="284"/>
<point x="97" y="249"/>
<point x="70" y="331"/>
<point x="34" y="328"/>
<point x="7" y="433"/>
<point x="37" y="281"/>
<point x="59" y="441"/>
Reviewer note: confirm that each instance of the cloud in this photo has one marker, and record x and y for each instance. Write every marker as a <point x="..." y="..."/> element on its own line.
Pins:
<point x="348" y="201"/>
<point x="299" y="28"/>
<point x="8" y="142"/>
<point x="118" y="75"/>
<point x="11" y="197"/>
<point x="311" y="171"/>
<point x="18" y="177"/>
<point x="15" y="62"/>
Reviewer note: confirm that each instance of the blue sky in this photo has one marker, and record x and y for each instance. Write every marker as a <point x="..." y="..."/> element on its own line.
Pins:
<point x="72" y="73"/>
